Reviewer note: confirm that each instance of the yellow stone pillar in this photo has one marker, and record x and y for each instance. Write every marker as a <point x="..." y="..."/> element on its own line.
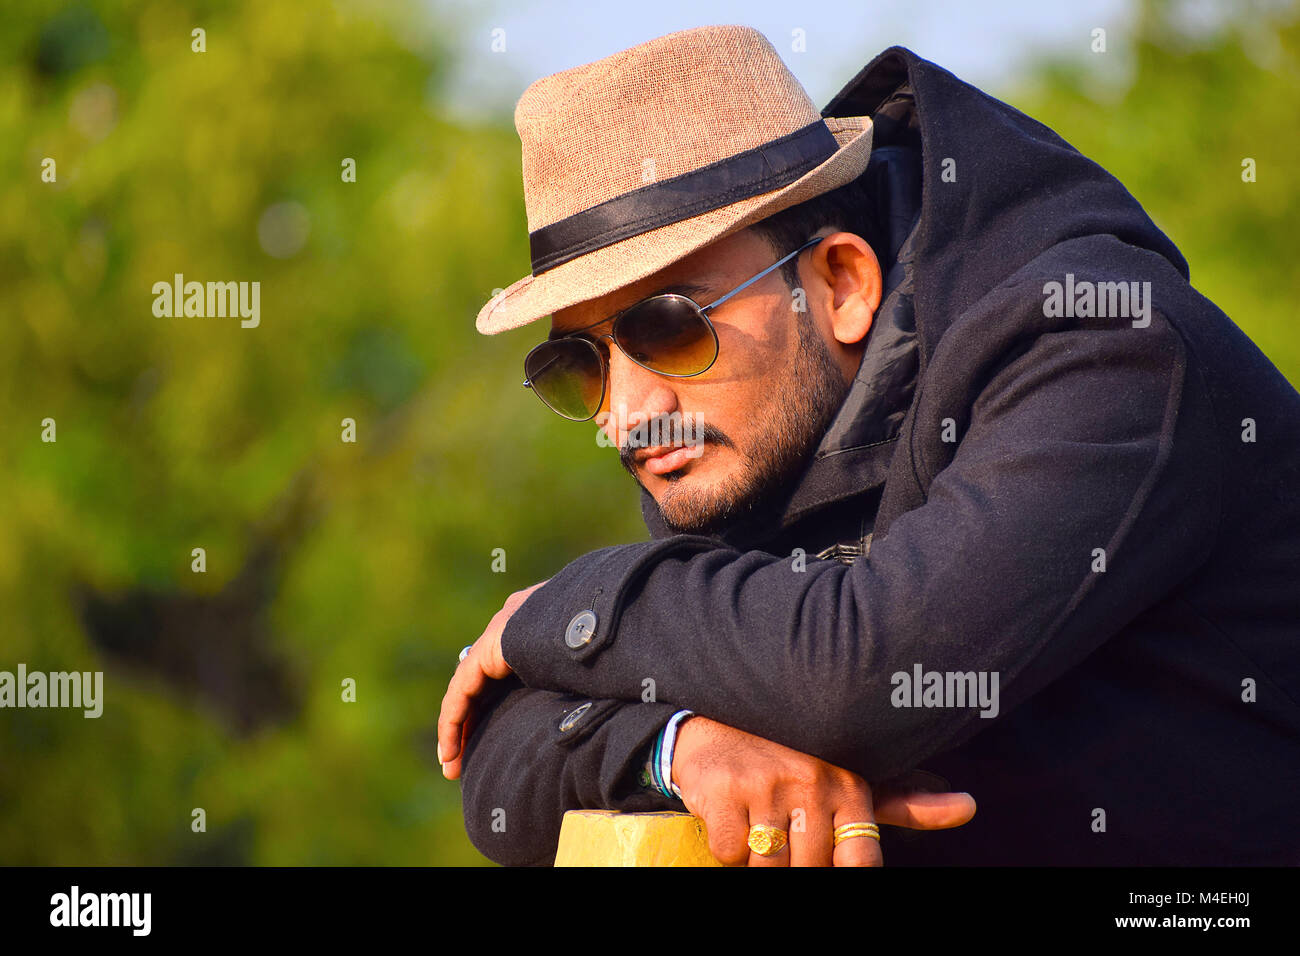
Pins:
<point x="608" y="838"/>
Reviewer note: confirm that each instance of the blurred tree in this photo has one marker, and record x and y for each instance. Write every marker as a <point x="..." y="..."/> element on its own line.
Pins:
<point x="326" y="560"/>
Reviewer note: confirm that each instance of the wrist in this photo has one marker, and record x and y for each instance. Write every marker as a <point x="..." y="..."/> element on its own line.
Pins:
<point x="682" y="747"/>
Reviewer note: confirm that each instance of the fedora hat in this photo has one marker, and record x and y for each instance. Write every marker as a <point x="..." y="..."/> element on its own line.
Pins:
<point x="640" y="159"/>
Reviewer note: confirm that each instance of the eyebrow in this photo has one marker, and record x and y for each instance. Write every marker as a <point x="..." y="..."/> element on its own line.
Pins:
<point x="689" y="289"/>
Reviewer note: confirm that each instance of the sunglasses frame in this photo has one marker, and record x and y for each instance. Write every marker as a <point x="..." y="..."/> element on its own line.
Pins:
<point x="590" y="341"/>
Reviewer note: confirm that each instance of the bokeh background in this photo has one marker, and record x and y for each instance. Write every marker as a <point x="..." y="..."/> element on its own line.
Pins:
<point x="373" y="560"/>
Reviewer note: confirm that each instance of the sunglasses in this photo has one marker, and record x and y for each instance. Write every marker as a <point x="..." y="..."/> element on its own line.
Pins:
<point x="668" y="333"/>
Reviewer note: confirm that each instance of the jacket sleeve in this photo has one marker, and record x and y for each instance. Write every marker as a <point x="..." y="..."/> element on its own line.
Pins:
<point x="1069" y="448"/>
<point x="534" y="754"/>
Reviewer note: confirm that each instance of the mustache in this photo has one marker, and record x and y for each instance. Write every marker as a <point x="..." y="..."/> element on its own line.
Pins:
<point x="701" y="434"/>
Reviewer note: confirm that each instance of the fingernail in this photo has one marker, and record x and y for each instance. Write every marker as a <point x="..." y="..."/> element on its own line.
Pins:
<point x="440" y="753"/>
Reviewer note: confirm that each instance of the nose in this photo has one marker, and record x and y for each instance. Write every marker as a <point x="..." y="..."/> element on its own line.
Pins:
<point x="634" y="395"/>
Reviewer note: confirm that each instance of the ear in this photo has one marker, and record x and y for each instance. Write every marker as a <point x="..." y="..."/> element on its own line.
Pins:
<point x="851" y="282"/>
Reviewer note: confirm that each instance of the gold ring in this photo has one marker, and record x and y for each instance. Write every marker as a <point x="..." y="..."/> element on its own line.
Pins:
<point x="847" y="831"/>
<point x="766" y="840"/>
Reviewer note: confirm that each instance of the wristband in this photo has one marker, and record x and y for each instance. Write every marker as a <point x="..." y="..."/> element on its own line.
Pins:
<point x="659" y="767"/>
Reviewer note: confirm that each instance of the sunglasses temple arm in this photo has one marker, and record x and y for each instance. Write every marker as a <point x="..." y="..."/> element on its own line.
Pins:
<point x="748" y="282"/>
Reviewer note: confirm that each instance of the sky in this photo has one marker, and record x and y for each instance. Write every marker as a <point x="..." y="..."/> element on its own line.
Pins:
<point x="986" y="43"/>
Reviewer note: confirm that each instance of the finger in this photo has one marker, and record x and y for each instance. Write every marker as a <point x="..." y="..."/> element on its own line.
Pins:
<point x="919" y="810"/>
<point x="856" y="807"/>
<point x="727" y="828"/>
<point x="450" y="717"/>
<point x="468" y="681"/>
<point x="451" y="768"/>
<point x="810" y="836"/>
<point x="773" y="818"/>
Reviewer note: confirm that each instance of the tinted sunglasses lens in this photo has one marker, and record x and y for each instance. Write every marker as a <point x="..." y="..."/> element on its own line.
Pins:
<point x="567" y="376"/>
<point x="668" y="334"/>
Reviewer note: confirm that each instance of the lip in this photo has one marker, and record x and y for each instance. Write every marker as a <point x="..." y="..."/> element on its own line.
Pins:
<point x="665" y="458"/>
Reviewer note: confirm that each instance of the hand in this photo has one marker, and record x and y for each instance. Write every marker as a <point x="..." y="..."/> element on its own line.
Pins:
<point x="483" y="663"/>
<point x="731" y="780"/>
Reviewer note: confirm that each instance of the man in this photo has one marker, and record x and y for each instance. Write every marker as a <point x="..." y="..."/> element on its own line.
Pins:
<point x="983" y="488"/>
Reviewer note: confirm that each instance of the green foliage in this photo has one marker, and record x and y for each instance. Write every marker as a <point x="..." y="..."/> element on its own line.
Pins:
<point x="371" y="560"/>
<point x="175" y="433"/>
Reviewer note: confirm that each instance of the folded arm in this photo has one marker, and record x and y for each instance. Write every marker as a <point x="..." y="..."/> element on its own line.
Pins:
<point x="1069" y="448"/>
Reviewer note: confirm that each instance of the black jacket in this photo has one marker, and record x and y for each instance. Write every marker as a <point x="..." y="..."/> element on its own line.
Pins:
<point x="991" y="458"/>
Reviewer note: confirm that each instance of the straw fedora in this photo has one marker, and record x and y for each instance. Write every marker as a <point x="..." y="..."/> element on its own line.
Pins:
<point x="637" y="160"/>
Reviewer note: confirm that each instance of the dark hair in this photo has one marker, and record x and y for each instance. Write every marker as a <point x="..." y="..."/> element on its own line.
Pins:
<point x="849" y="208"/>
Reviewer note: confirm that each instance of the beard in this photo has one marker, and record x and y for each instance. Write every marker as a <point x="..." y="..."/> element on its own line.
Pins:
<point x="798" y="411"/>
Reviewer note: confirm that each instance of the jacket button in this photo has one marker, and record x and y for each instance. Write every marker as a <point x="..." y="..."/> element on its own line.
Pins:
<point x="573" y="716"/>
<point x="581" y="629"/>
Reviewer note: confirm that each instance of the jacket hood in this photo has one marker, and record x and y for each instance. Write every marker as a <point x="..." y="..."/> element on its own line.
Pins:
<point x="968" y="190"/>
